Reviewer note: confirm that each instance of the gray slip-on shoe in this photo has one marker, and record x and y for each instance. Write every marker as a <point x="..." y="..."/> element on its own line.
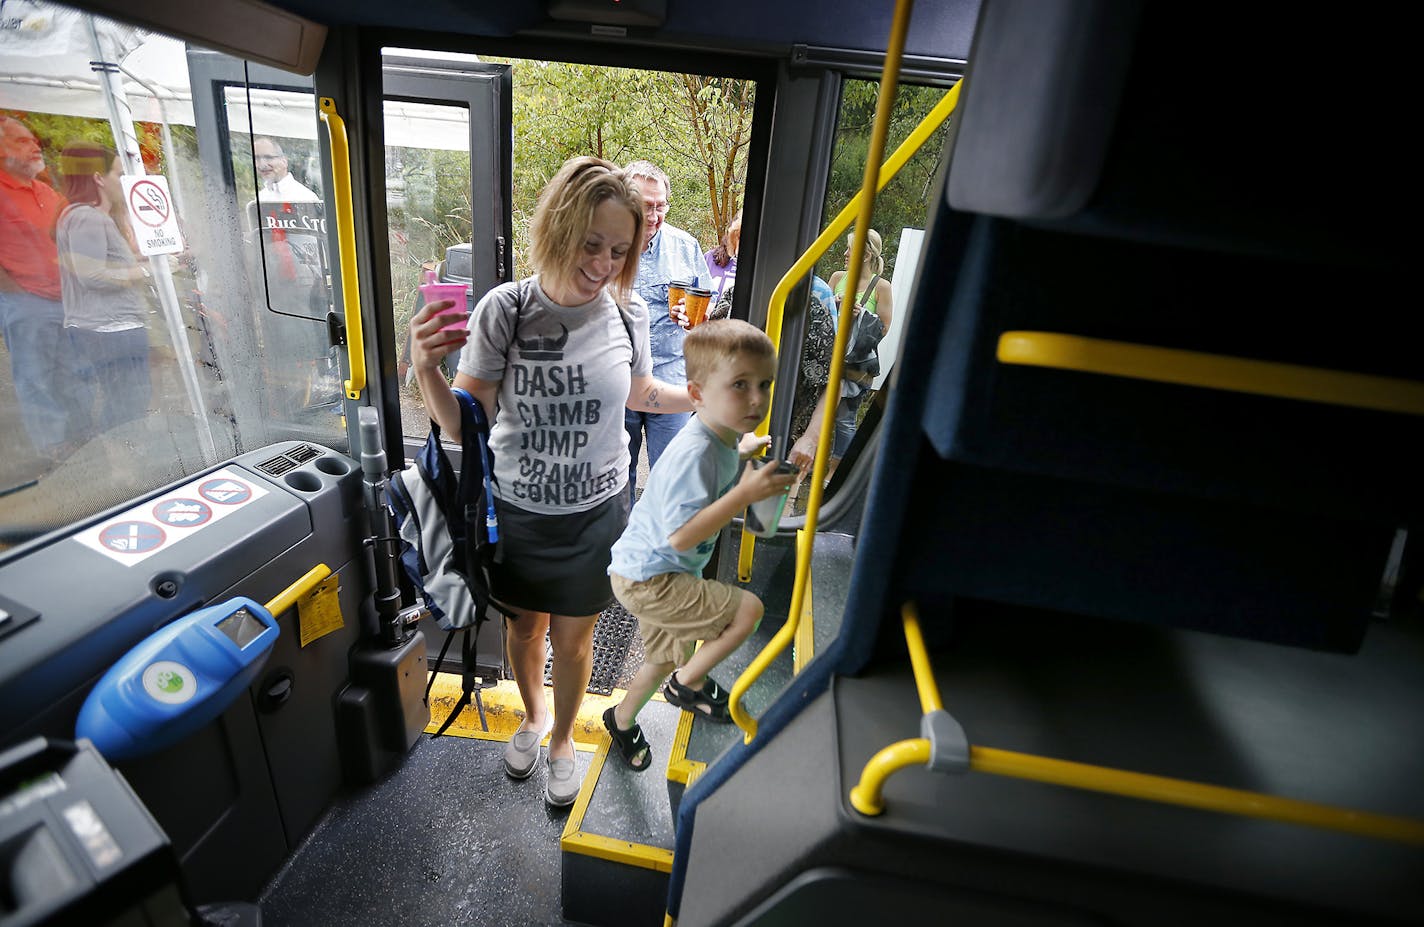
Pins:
<point x="563" y="785"/>
<point x="522" y="751"/>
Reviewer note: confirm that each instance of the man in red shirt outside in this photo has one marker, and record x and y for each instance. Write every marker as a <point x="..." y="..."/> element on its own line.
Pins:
<point x="31" y="313"/>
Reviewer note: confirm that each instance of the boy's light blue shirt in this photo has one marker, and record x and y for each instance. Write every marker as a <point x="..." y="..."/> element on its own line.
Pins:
<point x="696" y="470"/>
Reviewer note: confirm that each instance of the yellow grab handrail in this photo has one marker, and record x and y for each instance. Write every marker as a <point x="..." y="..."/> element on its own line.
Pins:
<point x="288" y="597"/>
<point x="867" y="795"/>
<point x="777" y="307"/>
<point x="920" y="661"/>
<point x="861" y="208"/>
<point x="346" y="243"/>
<point x="1211" y="371"/>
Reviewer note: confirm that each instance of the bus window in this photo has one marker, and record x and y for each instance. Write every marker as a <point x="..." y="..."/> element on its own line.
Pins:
<point x="884" y="286"/>
<point x="163" y="291"/>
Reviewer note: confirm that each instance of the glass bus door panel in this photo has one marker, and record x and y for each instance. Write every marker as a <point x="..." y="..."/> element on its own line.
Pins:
<point x="447" y="190"/>
<point x="272" y="281"/>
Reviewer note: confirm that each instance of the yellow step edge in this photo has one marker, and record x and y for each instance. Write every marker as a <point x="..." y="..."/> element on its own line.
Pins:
<point x="625" y="852"/>
<point x="504" y="710"/>
<point x="679" y="767"/>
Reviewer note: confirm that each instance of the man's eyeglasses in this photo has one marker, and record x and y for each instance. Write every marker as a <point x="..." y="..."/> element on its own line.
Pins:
<point x="270" y="158"/>
<point x="659" y="208"/>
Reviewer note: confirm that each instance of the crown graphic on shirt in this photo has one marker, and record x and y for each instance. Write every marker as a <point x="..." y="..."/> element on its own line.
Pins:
<point x="544" y="347"/>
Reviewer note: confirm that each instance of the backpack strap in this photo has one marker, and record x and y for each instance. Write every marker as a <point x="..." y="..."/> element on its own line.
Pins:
<point x="474" y="430"/>
<point x="449" y="636"/>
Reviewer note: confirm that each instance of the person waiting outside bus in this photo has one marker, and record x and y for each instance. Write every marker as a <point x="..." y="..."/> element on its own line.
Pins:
<point x="550" y="357"/>
<point x="290" y="273"/>
<point x="277" y="181"/>
<point x="31" y="314"/>
<point x="103" y="285"/>
<point x="722" y="260"/>
<point x="668" y="253"/>
<point x="871" y="319"/>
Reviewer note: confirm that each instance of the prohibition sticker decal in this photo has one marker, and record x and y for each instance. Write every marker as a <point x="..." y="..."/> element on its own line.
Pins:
<point x="225" y="491"/>
<point x="137" y="534"/>
<point x="132" y="537"/>
<point x="183" y="512"/>
<point x="151" y="215"/>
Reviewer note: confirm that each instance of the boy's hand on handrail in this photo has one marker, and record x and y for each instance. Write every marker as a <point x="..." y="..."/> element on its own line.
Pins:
<point x="758" y="483"/>
<point x="752" y="444"/>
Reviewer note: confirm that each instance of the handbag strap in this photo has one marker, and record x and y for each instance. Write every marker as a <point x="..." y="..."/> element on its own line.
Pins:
<point x="869" y="288"/>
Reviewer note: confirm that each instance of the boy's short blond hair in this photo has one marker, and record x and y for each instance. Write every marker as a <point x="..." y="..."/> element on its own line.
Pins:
<point x="565" y="213"/>
<point x="717" y="340"/>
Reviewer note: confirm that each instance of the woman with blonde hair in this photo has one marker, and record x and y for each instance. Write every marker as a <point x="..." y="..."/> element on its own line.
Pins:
<point x="553" y="358"/>
<point x="875" y="292"/>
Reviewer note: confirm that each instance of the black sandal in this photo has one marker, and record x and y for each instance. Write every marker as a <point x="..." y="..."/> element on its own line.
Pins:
<point x="709" y="702"/>
<point x="630" y="743"/>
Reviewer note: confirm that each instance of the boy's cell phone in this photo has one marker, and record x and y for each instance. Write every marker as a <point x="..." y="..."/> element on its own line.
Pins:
<point x="763" y="517"/>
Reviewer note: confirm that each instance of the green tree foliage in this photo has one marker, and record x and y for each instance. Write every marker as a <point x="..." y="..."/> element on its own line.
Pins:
<point x="696" y="128"/>
<point x="904" y="202"/>
<point x="428" y="210"/>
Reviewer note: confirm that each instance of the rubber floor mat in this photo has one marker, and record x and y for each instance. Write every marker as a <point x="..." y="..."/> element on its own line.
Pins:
<point x="612" y="636"/>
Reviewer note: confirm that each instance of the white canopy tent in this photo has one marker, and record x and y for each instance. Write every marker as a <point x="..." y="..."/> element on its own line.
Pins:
<point x="45" y="55"/>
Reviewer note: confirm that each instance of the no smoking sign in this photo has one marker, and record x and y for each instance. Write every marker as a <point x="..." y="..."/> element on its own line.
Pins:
<point x="151" y="210"/>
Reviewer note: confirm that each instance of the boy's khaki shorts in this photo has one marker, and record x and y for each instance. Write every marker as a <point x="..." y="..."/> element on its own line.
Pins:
<point x="675" y="611"/>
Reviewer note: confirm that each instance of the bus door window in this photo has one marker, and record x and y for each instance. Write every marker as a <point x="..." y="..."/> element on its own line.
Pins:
<point x="900" y="210"/>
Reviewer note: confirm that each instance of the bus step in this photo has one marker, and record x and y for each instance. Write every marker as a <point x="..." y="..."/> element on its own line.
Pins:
<point x="617" y="843"/>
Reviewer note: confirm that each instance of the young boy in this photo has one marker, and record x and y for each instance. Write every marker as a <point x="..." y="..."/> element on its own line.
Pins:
<point x="693" y="491"/>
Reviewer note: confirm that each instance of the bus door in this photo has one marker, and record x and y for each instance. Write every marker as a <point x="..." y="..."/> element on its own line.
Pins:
<point x="448" y="190"/>
<point x="259" y="135"/>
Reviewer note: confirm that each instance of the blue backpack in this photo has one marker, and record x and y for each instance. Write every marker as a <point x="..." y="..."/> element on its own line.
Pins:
<point x="448" y="531"/>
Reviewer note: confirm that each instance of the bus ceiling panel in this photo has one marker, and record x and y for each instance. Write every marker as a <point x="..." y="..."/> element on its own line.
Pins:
<point x="247" y="29"/>
<point x="939" y="31"/>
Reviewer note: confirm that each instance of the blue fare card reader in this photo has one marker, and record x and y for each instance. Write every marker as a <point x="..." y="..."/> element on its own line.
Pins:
<point x="178" y="679"/>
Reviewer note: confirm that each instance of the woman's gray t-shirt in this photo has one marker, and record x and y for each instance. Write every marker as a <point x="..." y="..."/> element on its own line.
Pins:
<point x="564" y="375"/>
<point x="96" y="273"/>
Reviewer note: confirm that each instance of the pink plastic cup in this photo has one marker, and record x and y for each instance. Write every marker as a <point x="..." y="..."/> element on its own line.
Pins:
<point x="435" y="292"/>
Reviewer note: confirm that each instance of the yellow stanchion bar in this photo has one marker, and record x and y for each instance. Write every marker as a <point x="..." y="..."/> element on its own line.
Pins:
<point x="346" y="243"/>
<point x="288" y="597"/>
<point x="1193" y="794"/>
<point x="777" y="308"/>
<point x="1212" y="371"/>
<point x="920" y="661"/>
<point x="867" y="795"/>
<point x="889" y="79"/>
